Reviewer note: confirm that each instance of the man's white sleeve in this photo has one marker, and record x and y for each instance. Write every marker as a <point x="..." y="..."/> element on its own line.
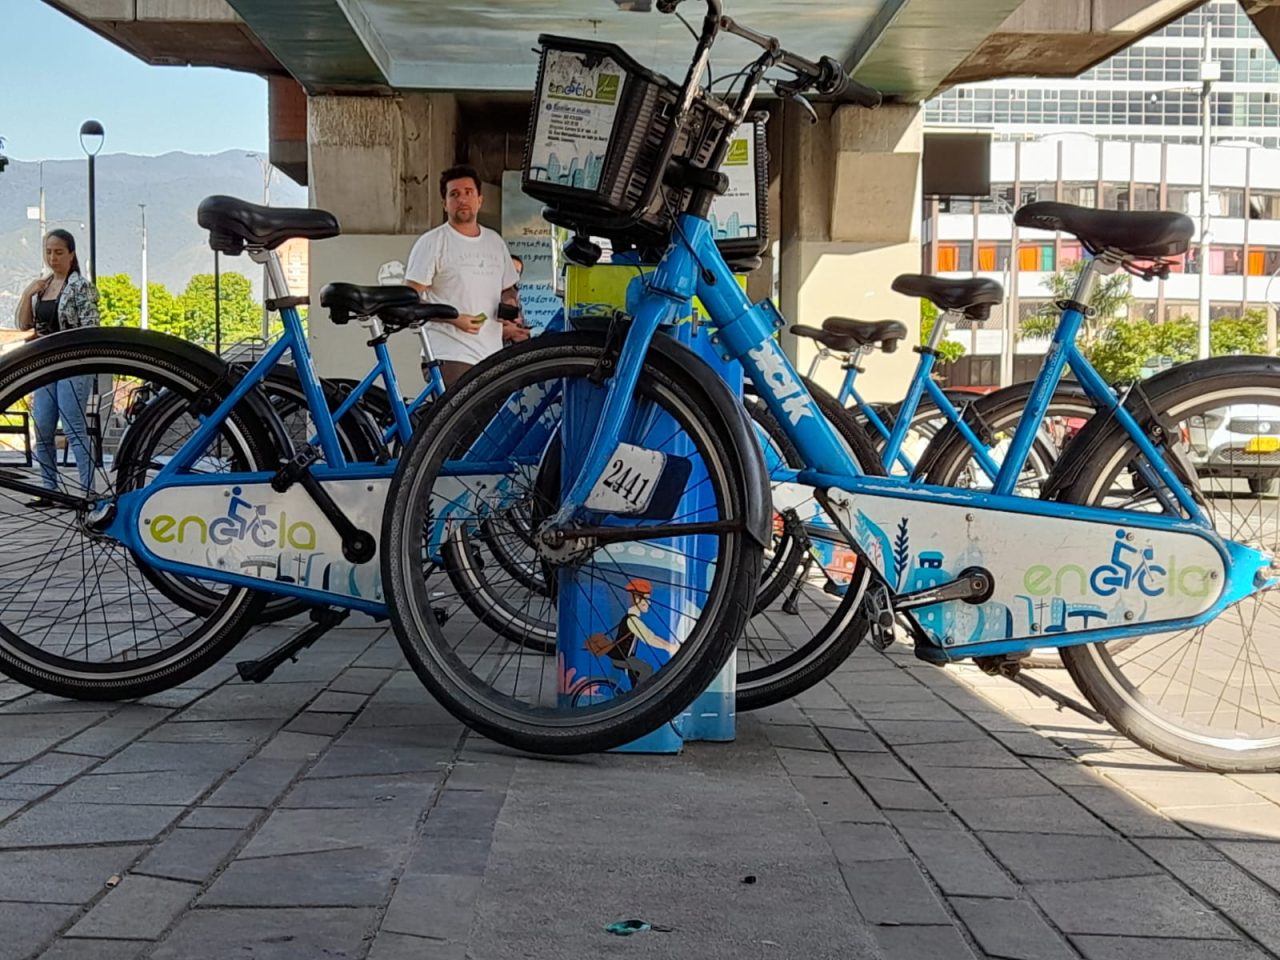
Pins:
<point x="422" y="259"/>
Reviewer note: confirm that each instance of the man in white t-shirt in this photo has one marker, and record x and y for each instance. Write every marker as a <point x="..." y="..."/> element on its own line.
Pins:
<point x="468" y="267"/>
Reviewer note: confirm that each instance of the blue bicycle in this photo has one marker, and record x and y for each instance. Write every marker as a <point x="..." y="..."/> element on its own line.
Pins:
<point x="660" y="469"/>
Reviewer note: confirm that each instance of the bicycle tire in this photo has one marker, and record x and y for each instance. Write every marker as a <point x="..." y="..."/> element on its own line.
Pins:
<point x="1103" y="452"/>
<point x="1000" y="411"/>
<point x="134" y="356"/>
<point x="684" y="389"/>
<point x="843" y="629"/>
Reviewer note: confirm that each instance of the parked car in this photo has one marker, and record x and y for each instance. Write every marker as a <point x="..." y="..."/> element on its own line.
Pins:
<point x="1241" y="442"/>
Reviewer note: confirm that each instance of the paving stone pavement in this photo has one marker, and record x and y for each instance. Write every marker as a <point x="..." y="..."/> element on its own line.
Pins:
<point x="896" y="811"/>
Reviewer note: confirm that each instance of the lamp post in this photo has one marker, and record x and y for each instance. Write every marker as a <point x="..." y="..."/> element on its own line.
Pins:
<point x="145" y="313"/>
<point x="1209" y="72"/>
<point x="92" y="137"/>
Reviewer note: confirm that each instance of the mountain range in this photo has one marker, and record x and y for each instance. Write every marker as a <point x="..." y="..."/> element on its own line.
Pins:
<point x="171" y="185"/>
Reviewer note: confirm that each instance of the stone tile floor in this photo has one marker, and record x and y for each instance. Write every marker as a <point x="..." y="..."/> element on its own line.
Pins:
<point x="896" y="811"/>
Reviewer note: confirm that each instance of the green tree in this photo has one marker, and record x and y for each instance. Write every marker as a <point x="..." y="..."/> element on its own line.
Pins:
<point x="162" y="308"/>
<point x="1126" y="346"/>
<point x="1247" y="334"/>
<point x="1111" y="298"/>
<point x="119" y="301"/>
<point x="948" y="350"/>
<point x="195" y="314"/>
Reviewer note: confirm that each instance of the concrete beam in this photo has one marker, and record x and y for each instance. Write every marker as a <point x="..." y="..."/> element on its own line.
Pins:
<point x="1055" y="39"/>
<point x="204" y="33"/>
<point x="316" y="43"/>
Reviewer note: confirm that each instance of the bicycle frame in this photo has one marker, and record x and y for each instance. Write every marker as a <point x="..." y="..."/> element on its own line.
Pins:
<point x="693" y="266"/>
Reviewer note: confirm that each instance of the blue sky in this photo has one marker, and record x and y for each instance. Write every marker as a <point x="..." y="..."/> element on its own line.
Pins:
<point x="55" y="73"/>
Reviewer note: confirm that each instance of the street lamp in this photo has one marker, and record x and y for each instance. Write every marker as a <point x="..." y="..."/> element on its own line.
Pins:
<point x="144" y="317"/>
<point x="1209" y="72"/>
<point x="92" y="137"/>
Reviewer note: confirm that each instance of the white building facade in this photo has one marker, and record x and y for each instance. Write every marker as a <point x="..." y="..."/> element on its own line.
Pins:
<point x="1125" y="135"/>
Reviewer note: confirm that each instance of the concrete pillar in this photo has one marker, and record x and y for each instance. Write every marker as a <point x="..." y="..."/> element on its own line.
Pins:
<point x="850" y="224"/>
<point x="374" y="162"/>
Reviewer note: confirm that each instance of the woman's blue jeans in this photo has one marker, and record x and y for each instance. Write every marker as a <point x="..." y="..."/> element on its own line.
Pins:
<point x="63" y="400"/>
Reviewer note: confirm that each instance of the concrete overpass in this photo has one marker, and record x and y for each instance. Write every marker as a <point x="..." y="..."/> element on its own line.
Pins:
<point x="370" y="99"/>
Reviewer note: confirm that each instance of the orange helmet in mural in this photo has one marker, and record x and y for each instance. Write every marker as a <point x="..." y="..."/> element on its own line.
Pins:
<point x="642" y="587"/>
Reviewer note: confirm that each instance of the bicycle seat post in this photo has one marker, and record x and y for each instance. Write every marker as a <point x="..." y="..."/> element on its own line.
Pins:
<point x="277" y="285"/>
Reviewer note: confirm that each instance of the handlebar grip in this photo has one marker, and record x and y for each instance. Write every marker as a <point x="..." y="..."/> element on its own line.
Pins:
<point x="833" y="81"/>
<point x="861" y="94"/>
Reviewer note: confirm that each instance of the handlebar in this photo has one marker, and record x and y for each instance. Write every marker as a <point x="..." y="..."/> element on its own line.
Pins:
<point x="826" y="77"/>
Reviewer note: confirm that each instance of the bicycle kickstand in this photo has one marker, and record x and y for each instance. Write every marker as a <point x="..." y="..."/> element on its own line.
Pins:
<point x="323" y="619"/>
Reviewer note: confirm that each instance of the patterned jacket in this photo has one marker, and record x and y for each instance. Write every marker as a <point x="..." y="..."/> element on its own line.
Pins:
<point x="77" y="303"/>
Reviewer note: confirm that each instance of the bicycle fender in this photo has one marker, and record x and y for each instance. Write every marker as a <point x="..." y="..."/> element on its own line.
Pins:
<point x="1139" y="403"/>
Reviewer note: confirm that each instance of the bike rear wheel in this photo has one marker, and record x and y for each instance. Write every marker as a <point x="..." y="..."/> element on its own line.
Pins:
<point x="77" y="616"/>
<point x="1208" y="697"/>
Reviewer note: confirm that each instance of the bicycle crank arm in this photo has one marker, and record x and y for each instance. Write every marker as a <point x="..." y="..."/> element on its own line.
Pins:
<point x="973" y="585"/>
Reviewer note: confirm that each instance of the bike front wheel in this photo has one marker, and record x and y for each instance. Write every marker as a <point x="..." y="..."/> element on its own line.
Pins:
<point x="655" y="615"/>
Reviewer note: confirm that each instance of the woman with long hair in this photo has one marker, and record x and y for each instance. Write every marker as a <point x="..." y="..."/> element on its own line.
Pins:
<point x="62" y="300"/>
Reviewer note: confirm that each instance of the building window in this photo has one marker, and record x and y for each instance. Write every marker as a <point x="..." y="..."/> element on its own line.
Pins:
<point x="1146" y="196"/>
<point x="1264" y="205"/>
<point x="1115" y="197"/>
<point x="1180" y="199"/>
<point x="1000" y="201"/>
<point x="992" y="257"/>
<point x="1035" y="257"/>
<point x="1029" y="308"/>
<point x="955" y="257"/>
<point x="1071" y="252"/>
<point x="1263" y="261"/>
<point x="1080" y="194"/>
<point x="1228" y="261"/>
<point x="1230" y="203"/>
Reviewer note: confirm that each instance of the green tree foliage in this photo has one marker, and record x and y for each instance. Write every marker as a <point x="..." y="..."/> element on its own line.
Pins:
<point x="1247" y="334"/>
<point x="197" y="309"/>
<point x="948" y="350"/>
<point x="119" y="301"/>
<point x="190" y="315"/>
<point x="1128" y="345"/>
<point x="1120" y="346"/>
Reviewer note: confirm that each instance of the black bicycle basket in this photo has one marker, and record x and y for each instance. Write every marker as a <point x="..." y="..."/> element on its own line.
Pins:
<point x="602" y="133"/>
